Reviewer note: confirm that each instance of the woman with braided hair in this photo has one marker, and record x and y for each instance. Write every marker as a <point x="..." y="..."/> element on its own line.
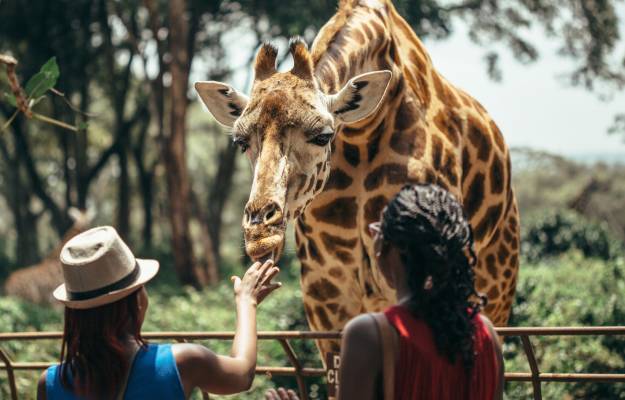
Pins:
<point x="434" y="343"/>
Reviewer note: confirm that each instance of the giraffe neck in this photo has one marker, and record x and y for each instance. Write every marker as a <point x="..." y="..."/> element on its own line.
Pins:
<point x="338" y="52"/>
<point x="367" y="36"/>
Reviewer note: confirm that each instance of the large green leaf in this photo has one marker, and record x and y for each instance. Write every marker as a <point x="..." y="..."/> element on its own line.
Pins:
<point x="43" y="80"/>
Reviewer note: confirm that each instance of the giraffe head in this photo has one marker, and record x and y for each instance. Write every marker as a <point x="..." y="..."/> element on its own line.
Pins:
<point x="286" y="128"/>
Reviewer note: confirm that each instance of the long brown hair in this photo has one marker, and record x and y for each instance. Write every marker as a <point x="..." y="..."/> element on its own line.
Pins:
<point x="93" y="362"/>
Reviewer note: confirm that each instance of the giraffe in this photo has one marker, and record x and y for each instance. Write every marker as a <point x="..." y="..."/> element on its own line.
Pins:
<point x="361" y="114"/>
<point x="37" y="282"/>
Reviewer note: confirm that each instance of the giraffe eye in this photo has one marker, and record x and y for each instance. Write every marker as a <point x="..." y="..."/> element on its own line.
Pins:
<point x="323" y="138"/>
<point x="242" y="143"/>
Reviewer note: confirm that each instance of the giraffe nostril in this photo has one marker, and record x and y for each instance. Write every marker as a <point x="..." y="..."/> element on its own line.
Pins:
<point x="273" y="214"/>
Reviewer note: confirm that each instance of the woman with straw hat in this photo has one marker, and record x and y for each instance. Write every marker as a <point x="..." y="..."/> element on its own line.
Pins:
<point x="103" y="355"/>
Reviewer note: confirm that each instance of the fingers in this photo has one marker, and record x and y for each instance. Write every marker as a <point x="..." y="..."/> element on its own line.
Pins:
<point x="271" y="273"/>
<point x="264" y="268"/>
<point x="236" y="282"/>
<point x="281" y="394"/>
<point x="266" y="290"/>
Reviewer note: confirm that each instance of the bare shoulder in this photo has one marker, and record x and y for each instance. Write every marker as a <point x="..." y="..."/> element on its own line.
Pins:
<point x="362" y="329"/>
<point x="41" y="387"/>
<point x="190" y="353"/>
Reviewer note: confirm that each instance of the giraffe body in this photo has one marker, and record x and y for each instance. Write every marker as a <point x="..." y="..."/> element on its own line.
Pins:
<point x="423" y="130"/>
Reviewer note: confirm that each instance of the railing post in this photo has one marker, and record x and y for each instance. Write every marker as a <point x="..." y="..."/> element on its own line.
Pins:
<point x="10" y="375"/>
<point x="531" y="359"/>
<point x="301" y="384"/>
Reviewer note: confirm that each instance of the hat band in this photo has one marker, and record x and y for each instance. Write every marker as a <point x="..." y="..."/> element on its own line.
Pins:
<point x="120" y="284"/>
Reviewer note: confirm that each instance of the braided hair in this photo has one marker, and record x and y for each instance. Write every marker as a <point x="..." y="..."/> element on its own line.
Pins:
<point x="428" y="227"/>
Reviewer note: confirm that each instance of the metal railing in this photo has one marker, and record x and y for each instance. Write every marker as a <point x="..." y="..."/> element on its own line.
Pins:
<point x="300" y="372"/>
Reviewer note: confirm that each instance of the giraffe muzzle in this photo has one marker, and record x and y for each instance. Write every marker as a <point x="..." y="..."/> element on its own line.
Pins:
<point x="264" y="230"/>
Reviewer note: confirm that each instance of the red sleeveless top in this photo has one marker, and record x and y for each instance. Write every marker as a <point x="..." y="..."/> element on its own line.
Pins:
<point x="423" y="374"/>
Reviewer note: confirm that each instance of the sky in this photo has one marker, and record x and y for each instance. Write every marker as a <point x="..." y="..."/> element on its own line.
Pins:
<point x="533" y="105"/>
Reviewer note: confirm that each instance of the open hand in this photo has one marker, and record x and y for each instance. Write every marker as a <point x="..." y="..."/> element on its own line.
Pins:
<point x="256" y="283"/>
<point x="281" y="394"/>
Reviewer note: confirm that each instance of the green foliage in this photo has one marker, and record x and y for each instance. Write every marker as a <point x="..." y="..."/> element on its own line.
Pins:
<point x="43" y="80"/>
<point x="570" y="291"/>
<point x="557" y="232"/>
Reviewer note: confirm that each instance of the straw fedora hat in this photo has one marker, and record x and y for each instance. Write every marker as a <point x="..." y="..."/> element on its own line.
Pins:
<point x="99" y="268"/>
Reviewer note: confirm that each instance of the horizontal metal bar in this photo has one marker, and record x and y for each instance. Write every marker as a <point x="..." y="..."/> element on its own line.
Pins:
<point x="277" y="335"/>
<point x="39" y="366"/>
<point x="564" y="377"/>
<point x="507" y="331"/>
<point x="561" y="331"/>
<point x="290" y="371"/>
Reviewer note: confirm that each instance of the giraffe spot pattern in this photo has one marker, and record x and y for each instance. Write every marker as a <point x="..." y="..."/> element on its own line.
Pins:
<point x="449" y="168"/>
<point x="450" y="124"/>
<point x="322" y="316"/>
<point x="351" y="154"/>
<point x="496" y="176"/>
<point x="394" y="174"/>
<point x="333" y="242"/>
<point x="304" y="269"/>
<point x="336" y="272"/>
<point x="475" y="195"/>
<point x="373" y="145"/>
<point x="479" y="139"/>
<point x="489" y="221"/>
<point x="466" y="163"/>
<point x="301" y="224"/>
<point x="341" y="212"/>
<point x="373" y="209"/>
<point x="502" y="254"/>
<point x="409" y="142"/>
<point x="406" y="115"/>
<point x="313" y="252"/>
<point x="490" y="266"/>
<point x="498" y="136"/>
<point x="323" y="290"/>
<point x="338" y="180"/>
<point x="437" y="153"/>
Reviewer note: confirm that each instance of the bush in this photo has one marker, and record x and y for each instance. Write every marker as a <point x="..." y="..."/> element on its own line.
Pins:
<point x="570" y="291"/>
<point x="555" y="233"/>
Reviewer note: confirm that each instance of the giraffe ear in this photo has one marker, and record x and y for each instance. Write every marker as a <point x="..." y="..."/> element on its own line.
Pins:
<point x="360" y="97"/>
<point x="223" y="101"/>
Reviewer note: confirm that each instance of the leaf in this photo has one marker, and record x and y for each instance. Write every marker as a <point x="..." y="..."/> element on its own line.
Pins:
<point x="43" y="80"/>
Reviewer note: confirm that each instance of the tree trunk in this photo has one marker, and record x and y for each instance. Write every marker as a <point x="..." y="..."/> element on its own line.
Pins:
<point x="174" y="147"/>
<point x="123" y="194"/>
<point x="221" y="188"/>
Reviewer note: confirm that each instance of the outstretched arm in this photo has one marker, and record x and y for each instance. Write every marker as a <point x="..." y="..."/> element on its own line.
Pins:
<point x="200" y="367"/>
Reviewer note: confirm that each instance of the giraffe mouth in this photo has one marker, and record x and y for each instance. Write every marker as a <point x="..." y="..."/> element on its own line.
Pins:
<point x="265" y="248"/>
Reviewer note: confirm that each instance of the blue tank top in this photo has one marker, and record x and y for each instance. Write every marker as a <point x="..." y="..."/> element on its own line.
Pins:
<point x="154" y="375"/>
